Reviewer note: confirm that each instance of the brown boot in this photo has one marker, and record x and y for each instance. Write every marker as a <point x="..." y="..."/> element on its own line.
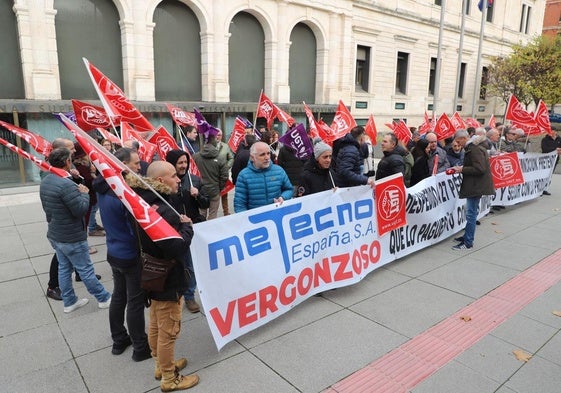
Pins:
<point x="175" y="381"/>
<point x="180" y="364"/>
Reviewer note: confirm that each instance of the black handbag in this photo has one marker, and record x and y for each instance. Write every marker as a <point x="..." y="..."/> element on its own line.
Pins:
<point x="154" y="272"/>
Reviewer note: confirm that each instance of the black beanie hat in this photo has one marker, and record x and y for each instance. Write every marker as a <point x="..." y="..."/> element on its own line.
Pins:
<point x="174" y="155"/>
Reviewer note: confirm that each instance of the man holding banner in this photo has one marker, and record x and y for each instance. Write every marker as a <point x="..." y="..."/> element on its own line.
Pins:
<point x="476" y="182"/>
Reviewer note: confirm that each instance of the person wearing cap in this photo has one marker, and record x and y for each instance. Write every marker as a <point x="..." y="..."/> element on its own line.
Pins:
<point x="317" y="175"/>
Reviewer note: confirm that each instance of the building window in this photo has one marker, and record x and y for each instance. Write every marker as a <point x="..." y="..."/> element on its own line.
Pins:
<point x="437" y="2"/>
<point x="525" y="19"/>
<point x="462" y="80"/>
<point x="484" y="81"/>
<point x="401" y="73"/>
<point x="490" y="9"/>
<point x="432" y="75"/>
<point x="362" y="68"/>
<point x="468" y="6"/>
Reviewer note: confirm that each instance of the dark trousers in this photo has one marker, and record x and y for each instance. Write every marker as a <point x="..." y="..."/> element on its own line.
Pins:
<point x="53" y="273"/>
<point x="129" y="297"/>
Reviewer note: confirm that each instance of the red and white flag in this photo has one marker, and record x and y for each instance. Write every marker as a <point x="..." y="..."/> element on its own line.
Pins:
<point x="40" y="144"/>
<point x="457" y="121"/>
<point x="109" y="136"/>
<point x="518" y="115"/>
<point x="402" y="132"/>
<point x="542" y="119"/>
<point x="43" y="165"/>
<point x="390" y="203"/>
<point x="505" y="169"/>
<point x="146" y="150"/>
<point x="110" y="168"/>
<point x="471" y="122"/>
<point x="89" y="116"/>
<point x="270" y="111"/>
<point x="492" y="121"/>
<point x="114" y="101"/>
<point x="343" y="122"/>
<point x="371" y="130"/>
<point x="163" y="141"/>
<point x="444" y="127"/>
<point x="182" y="117"/>
<point x="426" y="125"/>
<point x="318" y="129"/>
<point x="391" y="125"/>
<point x="238" y="133"/>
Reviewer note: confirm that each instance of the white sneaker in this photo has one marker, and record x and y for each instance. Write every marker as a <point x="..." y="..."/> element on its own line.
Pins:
<point x="105" y="304"/>
<point x="79" y="303"/>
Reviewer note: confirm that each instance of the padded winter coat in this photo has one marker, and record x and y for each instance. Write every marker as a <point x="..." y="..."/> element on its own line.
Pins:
<point x="477" y="179"/>
<point x="348" y="162"/>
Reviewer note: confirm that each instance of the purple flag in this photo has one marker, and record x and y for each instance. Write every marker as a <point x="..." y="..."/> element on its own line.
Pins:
<point x="298" y="141"/>
<point x="203" y="126"/>
<point x="69" y="115"/>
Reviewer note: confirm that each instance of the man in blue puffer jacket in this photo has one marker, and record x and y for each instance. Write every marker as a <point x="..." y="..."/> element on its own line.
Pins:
<point x="261" y="182"/>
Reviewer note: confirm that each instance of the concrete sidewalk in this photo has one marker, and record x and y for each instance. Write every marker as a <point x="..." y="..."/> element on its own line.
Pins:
<point x="311" y="348"/>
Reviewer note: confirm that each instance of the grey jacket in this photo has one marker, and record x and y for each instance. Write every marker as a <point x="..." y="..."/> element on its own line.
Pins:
<point x="65" y="208"/>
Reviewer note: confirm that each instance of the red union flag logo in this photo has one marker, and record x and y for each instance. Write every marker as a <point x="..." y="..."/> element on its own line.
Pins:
<point x="94" y="116"/>
<point x="266" y="107"/>
<point x="390" y="203"/>
<point x="506" y="170"/>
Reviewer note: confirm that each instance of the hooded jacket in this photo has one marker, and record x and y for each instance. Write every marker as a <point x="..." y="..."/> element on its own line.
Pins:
<point x="214" y="169"/>
<point x="176" y="282"/>
<point x="477" y="180"/>
<point x="348" y="162"/>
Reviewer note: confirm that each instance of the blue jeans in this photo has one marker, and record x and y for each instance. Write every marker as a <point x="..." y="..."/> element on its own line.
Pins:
<point x="472" y="208"/>
<point x="128" y="295"/>
<point x="191" y="281"/>
<point x="92" y="224"/>
<point x="76" y="256"/>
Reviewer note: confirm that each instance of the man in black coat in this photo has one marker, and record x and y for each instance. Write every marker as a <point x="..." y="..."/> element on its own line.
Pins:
<point x="347" y="159"/>
<point x="392" y="162"/>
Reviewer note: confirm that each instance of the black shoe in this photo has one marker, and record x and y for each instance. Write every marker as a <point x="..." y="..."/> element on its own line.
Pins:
<point x="459" y="239"/>
<point x="546" y="193"/>
<point x="120" y="348"/>
<point x="79" y="279"/>
<point x="54" y="293"/>
<point x="139" y="356"/>
<point x="477" y="222"/>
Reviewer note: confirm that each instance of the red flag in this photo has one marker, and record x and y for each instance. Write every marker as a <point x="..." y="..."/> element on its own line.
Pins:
<point x="237" y="134"/>
<point x="318" y="129"/>
<point x="193" y="168"/>
<point x="114" y="101"/>
<point x="517" y="114"/>
<point x="444" y="127"/>
<point x="391" y="125"/>
<point x="402" y="132"/>
<point x="109" y="136"/>
<point x="457" y="121"/>
<point x="270" y="111"/>
<point x="181" y="117"/>
<point x="110" y="168"/>
<point x="390" y="203"/>
<point x="40" y="144"/>
<point x="471" y="122"/>
<point x="425" y="125"/>
<point x="371" y="130"/>
<point x="89" y="116"/>
<point x="43" y="165"/>
<point x="229" y="186"/>
<point x="492" y="121"/>
<point x="163" y="141"/>
<point x="505" y="169"/>
<point x="542" y="119"/>
<point x="343" y="122"/>
<point x="146" y="150"/>
<point x="435" y="165"/>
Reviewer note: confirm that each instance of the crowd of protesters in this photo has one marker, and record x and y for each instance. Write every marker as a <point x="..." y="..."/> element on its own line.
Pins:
<point x="264" y="172"/>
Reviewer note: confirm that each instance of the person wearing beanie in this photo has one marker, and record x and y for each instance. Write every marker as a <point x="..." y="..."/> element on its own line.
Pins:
<point x="317" y="175"/>
<point x="188" y="200"/>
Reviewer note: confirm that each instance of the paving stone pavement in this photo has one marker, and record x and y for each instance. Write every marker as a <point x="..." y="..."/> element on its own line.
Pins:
<point x="309" y="349"/>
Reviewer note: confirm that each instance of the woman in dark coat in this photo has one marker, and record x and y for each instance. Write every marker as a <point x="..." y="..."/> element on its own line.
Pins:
<point x="317" y="175"/>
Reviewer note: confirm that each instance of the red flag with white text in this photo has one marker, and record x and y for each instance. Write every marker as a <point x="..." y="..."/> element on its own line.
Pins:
<point x="518" y="115"/>
<point x="492" y="121"/>
<point x="43" y="165"/>
<point x="238" y="133"/>
<point x="457" y="121"/>
<point x="181" y="117"/>
<point x="542" y="119"/>
<point x="444" y="127"/>
<point x="146" y="150"/>
<point x="163" y="141"/>
<point x="40" y="144"/>
<point x="114" y="101"/>
<point x="390" y="203"/>
<point x="343" y="122"/>
<point x="471" y="122"/>
<point x="89" y="116"/>
<point x="402" y="132"/>
<point x="506" y="170"/>
<point x="317" y="130"/>
<point x="109" y="136"/>
<point x="270" y="111"/>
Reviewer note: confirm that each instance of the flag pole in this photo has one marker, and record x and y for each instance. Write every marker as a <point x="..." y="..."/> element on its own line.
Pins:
<point x="479" y="51"/>
<point x="460" y="49"/>
<point x="438" y="59"/>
